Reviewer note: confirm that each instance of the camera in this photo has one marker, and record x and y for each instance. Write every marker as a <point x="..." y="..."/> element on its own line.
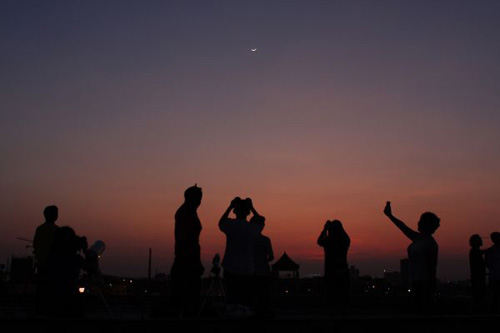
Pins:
<point x="215" y="270"/>
<point x="92" y="256"/>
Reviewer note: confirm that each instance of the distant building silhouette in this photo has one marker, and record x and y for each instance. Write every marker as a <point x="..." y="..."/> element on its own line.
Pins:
<point x="21" y="269"/>
<point x="286" y="268"/>
<point x="393" y="279"/>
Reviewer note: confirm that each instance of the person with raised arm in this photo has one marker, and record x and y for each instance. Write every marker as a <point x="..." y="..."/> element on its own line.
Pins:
<point x="422" y="256"/>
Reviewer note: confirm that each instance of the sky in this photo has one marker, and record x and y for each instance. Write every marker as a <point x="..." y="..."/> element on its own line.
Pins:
<point x="111" y="109"/>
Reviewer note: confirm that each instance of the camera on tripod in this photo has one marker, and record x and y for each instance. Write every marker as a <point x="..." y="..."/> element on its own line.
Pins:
<point x="92" y="256"/>
<point x="215" y="270"/>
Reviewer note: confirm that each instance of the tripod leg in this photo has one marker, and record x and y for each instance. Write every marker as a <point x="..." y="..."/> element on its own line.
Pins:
<point x="205" y="298"/>
<point x="221" y="287"/>
<point x="104" y="301"/>
<point x="95" y="283"/>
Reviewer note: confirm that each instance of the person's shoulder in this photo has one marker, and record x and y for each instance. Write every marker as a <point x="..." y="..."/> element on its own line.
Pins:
<point x="227" y="222"/>
<point x="494" y="250"/>
<point x="431" y="242"/>
<point x="180" y="210"/>
<point x="47" y="226"/>
<point x="429" y="239"/>
<point x="183" y="213"/>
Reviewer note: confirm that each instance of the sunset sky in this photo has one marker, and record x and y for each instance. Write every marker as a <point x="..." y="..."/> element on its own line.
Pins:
<point x="110" y="109"/>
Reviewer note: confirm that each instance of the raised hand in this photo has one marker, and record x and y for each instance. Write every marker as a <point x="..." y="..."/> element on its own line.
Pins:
<point x="250" y="203"/>
<point x="388" y="209"/>
<point x="327" y="224"/>
<point x="235" y="202"/>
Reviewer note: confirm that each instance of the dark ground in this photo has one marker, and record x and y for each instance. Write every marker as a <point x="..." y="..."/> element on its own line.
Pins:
<point x="148" y="313"/>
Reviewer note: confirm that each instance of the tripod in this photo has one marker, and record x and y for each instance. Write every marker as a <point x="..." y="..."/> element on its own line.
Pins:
<point x="216" y="288"/>
<point x="95" y="282"/>
<point x="92" y="255"/>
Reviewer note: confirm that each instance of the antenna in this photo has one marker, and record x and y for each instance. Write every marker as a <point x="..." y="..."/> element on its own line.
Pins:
<point x="25" y="240"/>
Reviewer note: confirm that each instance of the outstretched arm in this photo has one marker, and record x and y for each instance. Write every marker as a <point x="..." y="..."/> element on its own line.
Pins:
<point x="407" y="231"/>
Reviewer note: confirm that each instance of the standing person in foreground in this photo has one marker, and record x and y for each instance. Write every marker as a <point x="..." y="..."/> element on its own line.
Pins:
<point x="238" y="262"/>
<point x="477" y="273"/>
<point x="187" y="268"/>
<point x="263" y="255"/>
<point x="335" y="241"/>
<point x="64" y="265"/>
<point x="422" y="256"/>
<point x="42" y="246"/>
<point x="493" y="263"/>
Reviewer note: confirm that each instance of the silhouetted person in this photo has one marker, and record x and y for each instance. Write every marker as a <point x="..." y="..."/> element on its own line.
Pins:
<point x="422" y="256"/>
<point x="238" y="262"/>
<point x="64" y="264"/>
<point x="492" y="257"/>
<point x="335" y="241"/>
<point x="263" y="255"/>
<point x="477" y="272"/>
<point x="42" y="245"/>
<point x="187" y="268"/>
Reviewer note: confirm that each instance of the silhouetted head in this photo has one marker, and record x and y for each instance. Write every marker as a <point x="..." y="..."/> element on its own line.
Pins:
<point x="335" y="227"/>
<point x="495" y="238"/>
<point x="336" y="231"/>
<point x="241" y="208"/>
<point x="66" y="241"/>
<point x="475" y="241"/>
<point x="260" y="221"/>
<point x="51" y="213"/>
<point x="193" y="195"/>
<point x="429" y="223"/>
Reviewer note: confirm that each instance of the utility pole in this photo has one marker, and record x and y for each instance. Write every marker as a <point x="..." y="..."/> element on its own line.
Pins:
<point x="149" y="265"/>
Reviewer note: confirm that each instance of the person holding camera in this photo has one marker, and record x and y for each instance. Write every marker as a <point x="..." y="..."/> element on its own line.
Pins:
<point x="422" y="256"/>
<point x="335" y="241"/>
<point x="238" y="262"/>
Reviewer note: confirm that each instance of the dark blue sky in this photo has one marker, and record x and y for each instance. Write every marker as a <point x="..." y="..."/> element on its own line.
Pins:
<point x="345" y="104"/>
